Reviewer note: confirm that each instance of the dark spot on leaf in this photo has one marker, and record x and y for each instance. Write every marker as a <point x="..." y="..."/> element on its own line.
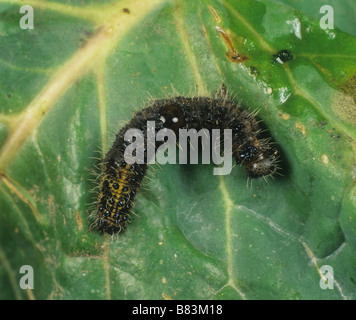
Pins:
<point x="282" y="56"/>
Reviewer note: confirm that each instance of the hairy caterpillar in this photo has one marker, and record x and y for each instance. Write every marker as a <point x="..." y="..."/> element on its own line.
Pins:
<point x="120" y="180"/>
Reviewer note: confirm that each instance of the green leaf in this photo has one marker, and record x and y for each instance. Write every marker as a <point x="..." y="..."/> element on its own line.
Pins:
<point x="71" y="82"/>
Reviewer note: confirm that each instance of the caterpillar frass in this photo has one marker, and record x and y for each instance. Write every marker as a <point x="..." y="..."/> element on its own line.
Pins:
<point x="120" y="180"/>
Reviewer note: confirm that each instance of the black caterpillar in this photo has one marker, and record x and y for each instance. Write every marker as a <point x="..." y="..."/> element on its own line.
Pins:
<point x="120" y="181"/>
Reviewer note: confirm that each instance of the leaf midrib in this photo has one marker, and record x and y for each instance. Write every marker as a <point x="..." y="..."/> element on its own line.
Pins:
<point x="113" y="27"/>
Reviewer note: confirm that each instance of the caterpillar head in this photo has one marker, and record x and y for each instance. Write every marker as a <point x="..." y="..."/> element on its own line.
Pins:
<point x="265" y="166"/>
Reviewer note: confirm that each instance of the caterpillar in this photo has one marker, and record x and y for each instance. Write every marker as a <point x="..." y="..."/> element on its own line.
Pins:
<point x="121" y="180"/>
